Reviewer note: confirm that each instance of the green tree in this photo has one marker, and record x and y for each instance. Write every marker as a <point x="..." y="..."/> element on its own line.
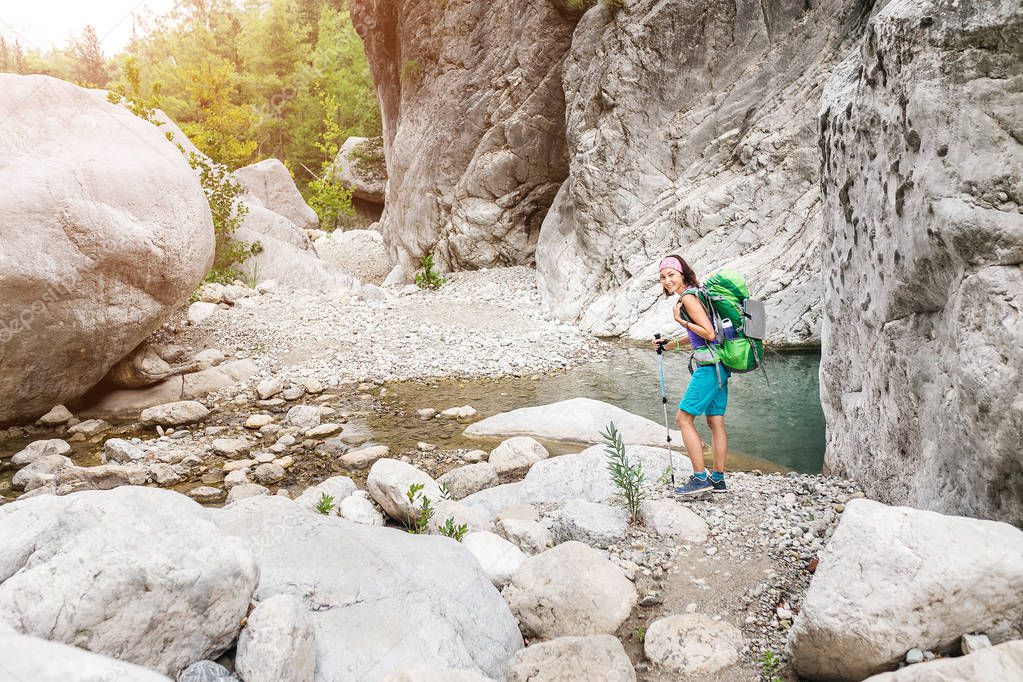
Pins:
<point x="89" y="67"/>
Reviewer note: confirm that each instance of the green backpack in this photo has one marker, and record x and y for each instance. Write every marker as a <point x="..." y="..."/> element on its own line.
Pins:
<point x="739" y="321"/>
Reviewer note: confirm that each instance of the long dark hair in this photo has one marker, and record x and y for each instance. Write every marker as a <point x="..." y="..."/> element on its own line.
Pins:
<point x="688" y="274"/>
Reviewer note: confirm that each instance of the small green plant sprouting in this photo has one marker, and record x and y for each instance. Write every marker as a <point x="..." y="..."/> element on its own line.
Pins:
<point x="665" y="477"/>
<point x="640" y="633"/>
<point x="445" y="491"/>
<point x="427" y="278"/>
<point x="420" y="509"/>
<point x="769" y="662"/>
<point x="411" y="71"/>
<point x="452" y="531"/>
<point x="626" y="477"/>
<point x="326" y="504"/>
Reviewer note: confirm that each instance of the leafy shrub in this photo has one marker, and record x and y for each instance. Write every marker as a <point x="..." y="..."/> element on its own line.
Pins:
<point x="368" y="158"/>
<point x="325" y="505"/>
<point x="427" y="278"/>
<point x="221" y="189"/>
<point x="222" y="194"/>
<point x="452" y="531"/>
<point x="331" y="200"/>
<point x="419" y="519"/>
<point x="769" y="662"/>
<point x="131" y="94"/>
<point x="627" y="478"/>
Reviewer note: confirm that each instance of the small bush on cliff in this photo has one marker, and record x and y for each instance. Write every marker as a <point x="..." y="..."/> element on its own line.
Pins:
<point x="368" y="158"/>
<point x="411" y="71"/>
<point x="427" y="278"/>
<point x="222" y="193"/>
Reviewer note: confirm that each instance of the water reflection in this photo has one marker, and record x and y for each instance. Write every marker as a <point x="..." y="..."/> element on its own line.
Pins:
<point x="776" y="426"/>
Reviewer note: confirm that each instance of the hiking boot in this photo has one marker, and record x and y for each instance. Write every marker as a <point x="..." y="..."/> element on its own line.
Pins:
<point x="718" y="484"/>
<point x="695" y="486"/>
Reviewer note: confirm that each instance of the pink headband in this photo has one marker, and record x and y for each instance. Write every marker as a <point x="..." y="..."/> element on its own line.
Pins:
<point x="670" y="262"/>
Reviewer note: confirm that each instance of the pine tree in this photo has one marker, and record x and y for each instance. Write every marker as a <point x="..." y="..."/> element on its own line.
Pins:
<point x="89" y="66"/>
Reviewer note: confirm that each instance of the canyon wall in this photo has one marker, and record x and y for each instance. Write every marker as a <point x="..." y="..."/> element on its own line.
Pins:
<point x="922" y="364"/>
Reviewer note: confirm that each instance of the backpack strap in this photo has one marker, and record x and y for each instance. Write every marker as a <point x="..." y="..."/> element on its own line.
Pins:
<point x="703" y="296"/>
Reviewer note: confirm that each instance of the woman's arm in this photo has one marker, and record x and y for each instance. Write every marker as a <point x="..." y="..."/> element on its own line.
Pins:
<point x="700" y="324"/>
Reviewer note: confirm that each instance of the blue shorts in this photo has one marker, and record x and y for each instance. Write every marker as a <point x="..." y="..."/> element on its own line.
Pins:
<point x="703" y="395"/>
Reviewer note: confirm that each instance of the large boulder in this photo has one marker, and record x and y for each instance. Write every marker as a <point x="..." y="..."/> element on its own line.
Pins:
<point x="514" y="456"/>
<point x="269" y="183"/>
<point x="597" y="657"/>
<point x="359" y="253"/>
<point x="1002" y="662"/>
<point x="278" y="643"/>
<point x="135" y="573"/>
<point x="476" y="194"/>
<point x="569" y="590"/>
<point x="922" y="332"/>
<point x="38" y="660"/>
<point x="290" y="265"/>
<point x="582" y="476"/>
<point x="378" y="597"/>
<point x="597" y="525"/>
<point x="389" y="482"/>
<point x="894" y="578"/>
<point x="692" y="644"/>
<point x="89" y="192"/>
<point x="691" y="127"/>
<point x="360" y="166"/>
<point x="579" y="420"/>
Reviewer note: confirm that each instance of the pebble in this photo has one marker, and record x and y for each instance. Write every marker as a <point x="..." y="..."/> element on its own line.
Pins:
<point x="914" y="656"/>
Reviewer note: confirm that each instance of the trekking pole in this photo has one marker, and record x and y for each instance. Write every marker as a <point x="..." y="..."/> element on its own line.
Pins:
<point x="664" y="403"/>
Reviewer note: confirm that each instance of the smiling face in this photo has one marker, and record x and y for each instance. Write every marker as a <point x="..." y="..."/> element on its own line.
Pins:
<point x="672" y="281"/>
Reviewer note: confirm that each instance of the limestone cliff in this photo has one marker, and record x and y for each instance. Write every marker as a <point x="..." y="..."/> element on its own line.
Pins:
<point x="692" y="128"/>
<point x="923" y="306"/>
<point x="473" y="122"/>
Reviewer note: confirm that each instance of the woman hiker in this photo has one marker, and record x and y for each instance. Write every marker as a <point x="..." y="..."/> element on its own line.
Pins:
<point x="708" y="391"/>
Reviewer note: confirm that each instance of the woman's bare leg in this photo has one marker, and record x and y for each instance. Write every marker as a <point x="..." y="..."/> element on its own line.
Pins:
<point x="691" y="439"/>
<point x="719" y="440"/>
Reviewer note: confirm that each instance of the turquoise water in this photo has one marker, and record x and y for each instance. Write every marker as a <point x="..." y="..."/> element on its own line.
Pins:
<point x="772" y="427"/>
<point x="780" y="421"/>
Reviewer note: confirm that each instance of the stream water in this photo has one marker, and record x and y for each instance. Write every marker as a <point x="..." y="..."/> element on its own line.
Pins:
<point x="772" y="427"/>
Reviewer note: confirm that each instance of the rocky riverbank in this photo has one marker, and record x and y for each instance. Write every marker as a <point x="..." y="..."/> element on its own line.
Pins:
<point x="480" y="323"/>
<point x="541" y="554"/>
